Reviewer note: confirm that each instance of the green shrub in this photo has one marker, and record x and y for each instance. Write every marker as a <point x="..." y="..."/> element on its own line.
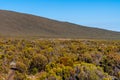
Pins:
<point x="38" y="62"/>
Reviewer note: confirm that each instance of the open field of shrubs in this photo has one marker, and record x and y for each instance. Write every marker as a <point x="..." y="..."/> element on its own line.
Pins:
<point x="60" y="59"/>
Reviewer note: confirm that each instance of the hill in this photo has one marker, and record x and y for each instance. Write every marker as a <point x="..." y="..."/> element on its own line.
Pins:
<point x="16" y="24"/>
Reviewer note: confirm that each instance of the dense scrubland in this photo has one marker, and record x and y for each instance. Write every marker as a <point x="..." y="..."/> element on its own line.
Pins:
<point x="61" y="59"/>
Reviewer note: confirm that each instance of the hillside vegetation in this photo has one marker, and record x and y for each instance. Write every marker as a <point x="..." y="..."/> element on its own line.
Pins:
<point x="14" y="24"/>
<point x="61" y="59"/>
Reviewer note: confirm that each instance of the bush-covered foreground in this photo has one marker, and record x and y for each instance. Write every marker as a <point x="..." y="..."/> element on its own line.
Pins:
<point x="60" y="59"/>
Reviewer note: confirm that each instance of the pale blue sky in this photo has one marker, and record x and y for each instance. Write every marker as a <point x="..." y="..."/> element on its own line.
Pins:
<point x="95" y="13"/>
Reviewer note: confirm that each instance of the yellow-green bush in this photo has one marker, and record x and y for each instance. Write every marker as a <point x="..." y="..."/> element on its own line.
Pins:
<point x="61" y="59"/>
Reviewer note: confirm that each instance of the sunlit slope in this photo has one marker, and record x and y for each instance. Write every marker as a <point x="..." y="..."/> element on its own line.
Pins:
<point x="20" y="24"/>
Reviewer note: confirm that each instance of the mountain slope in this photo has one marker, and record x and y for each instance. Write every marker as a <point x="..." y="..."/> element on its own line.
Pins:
<point x="20" y="24"/>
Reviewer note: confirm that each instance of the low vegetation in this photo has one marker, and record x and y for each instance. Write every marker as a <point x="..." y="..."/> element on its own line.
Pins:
<point x="61" y="59"/>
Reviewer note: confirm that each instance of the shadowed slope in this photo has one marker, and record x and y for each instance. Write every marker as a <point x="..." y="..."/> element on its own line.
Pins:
<point x="20" y="24"/>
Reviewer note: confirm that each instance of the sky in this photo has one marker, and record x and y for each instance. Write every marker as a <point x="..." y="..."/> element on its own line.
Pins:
<point x="93" y="13"/>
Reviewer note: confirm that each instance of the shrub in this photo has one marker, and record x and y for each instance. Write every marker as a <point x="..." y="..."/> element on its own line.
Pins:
<point x="38" y="62"/>
<point x="21" y="67"/>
